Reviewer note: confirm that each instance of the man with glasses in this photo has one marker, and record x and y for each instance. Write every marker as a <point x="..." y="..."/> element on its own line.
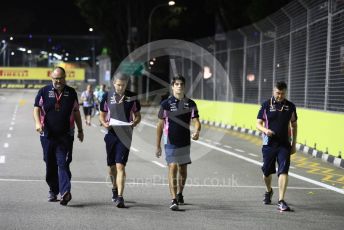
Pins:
<point x="277" y="120"/>
<point x="175" y="116"/>
<point x="56" y="109"/>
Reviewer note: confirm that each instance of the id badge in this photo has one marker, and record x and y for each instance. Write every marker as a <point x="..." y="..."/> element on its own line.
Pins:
<point x="57" y="107"/>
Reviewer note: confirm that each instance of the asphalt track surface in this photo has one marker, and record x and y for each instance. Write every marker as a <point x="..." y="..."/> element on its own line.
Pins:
<point x="224" y="187"/>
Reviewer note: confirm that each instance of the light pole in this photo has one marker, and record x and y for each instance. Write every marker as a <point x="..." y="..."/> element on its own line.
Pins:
<point x="3" y="52"/>
<point x="93" y="50"/>
<point x="170" y="3"/>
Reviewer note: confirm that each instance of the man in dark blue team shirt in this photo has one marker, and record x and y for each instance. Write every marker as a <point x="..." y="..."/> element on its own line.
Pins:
<point x="119" y="113"/>
<point x="277" y="120"/>
<point x="175" y="115"/>
<point x="56" y="109"/>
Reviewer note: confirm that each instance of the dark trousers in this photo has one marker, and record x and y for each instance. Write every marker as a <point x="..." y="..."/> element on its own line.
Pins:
<point x="57" y="155"/>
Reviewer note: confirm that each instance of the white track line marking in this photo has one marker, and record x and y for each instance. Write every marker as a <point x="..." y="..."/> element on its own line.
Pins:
<point x="135" y="150"/>
<point x="239" y="150"/>
<point x="227" y="146"/>
<point x="338" y="190"/>
<point x="11" y="128"/>
<point x="9" y="135"/>
<point x="2" y="160"/>
<point x="6" y="145"/>
<point x="164" y="184"/>
<point x="341" y="191"/>
<point x="159" y="164"/>
<point x="254" y="155"/>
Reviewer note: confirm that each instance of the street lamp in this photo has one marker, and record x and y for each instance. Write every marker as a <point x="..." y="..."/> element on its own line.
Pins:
<point x="170" y="3"/>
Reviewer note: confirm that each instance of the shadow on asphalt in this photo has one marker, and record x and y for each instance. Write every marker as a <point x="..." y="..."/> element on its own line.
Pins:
<point x="84" y="205"/>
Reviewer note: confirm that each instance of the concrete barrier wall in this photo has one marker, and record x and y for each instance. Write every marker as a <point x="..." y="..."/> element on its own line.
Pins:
<point x="323" y="131"/>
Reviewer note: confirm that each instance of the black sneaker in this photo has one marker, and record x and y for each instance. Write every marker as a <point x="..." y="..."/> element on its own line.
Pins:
<point x="52" y="197"/>
<point x="282" y="206"/>
<point x="268" y="196"/>
<point x="66" y="197"/>
<point x="119" y="202"/>
<point x="174" y="205"/>
<point x="114" y="194"/>
<point x="180" y="198"/>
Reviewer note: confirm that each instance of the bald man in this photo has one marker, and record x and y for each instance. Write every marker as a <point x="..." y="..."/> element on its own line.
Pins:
<point x="56" y="111"/>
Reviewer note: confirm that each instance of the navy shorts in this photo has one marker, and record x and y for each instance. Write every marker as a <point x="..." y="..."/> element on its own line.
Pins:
<point x="88" y="111"/>
<point x="178" y="155"/>
<point x="116" y="151"/>
<point x="271" y="154"/>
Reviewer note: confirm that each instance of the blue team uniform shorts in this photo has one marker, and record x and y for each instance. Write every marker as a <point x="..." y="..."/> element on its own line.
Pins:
<point x="116" y="150"/>
<point x="271" y="154"/>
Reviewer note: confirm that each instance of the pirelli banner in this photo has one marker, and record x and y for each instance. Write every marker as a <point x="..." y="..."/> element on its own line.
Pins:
<point x="24" y="73"/>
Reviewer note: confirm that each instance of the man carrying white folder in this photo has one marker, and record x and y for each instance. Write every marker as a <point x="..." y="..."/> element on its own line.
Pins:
<point x="119" y="113"/>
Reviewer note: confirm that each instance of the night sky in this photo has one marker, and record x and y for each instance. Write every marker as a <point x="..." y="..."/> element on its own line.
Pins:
<point x="63" y="17"/>
<point x="41" y="17"/>
<point x="52" y="26"/>
<point x="59" y="25"/>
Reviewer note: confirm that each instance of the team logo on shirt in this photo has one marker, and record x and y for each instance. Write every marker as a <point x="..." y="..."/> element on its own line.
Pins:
<point x="173" y="107"/>
<point x="272" y="108"/>
<point x="113" y="100"/>
<point x="51" y="94"/>
<point x="66" y="94"/>
<point x="284" y="107"/>
<point x="186" y="105"/>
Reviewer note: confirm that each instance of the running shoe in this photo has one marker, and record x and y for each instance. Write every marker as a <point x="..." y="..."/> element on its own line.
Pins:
<point x="66" y="197"/>
<point x="174" y="205"/>
<point x="114" y="194"/>
<point x="52" y="197"/>
<point x="119" y="202"/>
<point x="180" y="198"/>
<point x="282" y="206"/>
<point x="268" y="196"/>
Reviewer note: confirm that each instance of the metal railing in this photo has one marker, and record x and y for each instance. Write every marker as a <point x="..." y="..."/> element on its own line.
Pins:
<point x="301" y="44"/>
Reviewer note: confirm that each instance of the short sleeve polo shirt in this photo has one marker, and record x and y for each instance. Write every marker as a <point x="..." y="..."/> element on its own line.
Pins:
<point x="120" y="107"/>
<point x="277" y="116"/>
<point x="177" y="115"/>
<point x="57" y="122"/>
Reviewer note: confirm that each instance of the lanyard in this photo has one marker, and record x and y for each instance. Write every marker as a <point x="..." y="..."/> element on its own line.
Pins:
<point x="272" y="105"/>
<point x="58" y="100"/>
<point x="120" y="100"/>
